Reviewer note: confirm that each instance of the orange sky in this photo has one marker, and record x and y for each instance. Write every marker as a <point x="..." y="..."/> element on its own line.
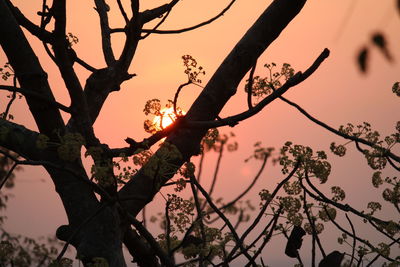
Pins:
<point x="336" y="93"/>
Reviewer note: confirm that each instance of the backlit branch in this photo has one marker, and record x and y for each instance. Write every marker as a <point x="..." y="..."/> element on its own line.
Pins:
<point x="321" y="197"/>
<point x="30" y="93"/>
<point x="293" y="81"/>
<point x="192" y="27"/>
<point x="102" y="9"/>
<point x="154" y="13"/>
<point x="220" y="88"/>
<point x="263" y="209"/>
<point x="42" y="34"/>
<point x="385" y="152"/>
<point x="28" y="71"/>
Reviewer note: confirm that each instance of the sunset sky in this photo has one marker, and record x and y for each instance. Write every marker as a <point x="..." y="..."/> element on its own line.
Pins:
<point x="336" y="93"/>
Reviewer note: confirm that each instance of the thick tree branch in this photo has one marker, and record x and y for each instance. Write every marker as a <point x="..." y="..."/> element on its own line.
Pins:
<point x="19" y="139"/>
<point x="29" y="72"/>
<point x="42" y="34"/>
<point x="214" y="96"/>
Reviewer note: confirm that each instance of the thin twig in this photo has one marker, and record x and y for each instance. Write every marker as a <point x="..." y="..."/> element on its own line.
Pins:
<point x="35" y="95"/>
<point x="266" y="238"/>
<point x="13" y="97"/>
<point x="298" y="78"/>
<point x="175" y="102"/>
<point x="312" y="223"/>
<point x="199" y="219"/>
<point x="385" y="152"/>
<point x="366" y="242"/>
<point x="216" y="170"/>
<point x="346" y="207"/>
<point x="168" y="227"/>
<point x="122" y="10"/>
<point x="250" y="86"/>
<point x="192" y="27"/>
<point x="8" y="175"/>
<point x="158" y="24"/>
<point x="354" y="240"/>
<point x="239" y="243"/>
<point x="262" y="211"/>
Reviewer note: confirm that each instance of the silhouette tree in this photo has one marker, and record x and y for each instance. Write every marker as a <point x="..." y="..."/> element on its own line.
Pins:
<point x="102" y="205"/>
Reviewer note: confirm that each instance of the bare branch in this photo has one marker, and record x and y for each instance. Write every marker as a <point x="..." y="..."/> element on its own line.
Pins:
<point x="102" y="9"/>
<point x="34" y="29"/>
<point x="30" y="93"/>
<point x="366" y="242"/>
<point x="8" y="175"/>
<point x="312" y="224"/>
<point x="250" y="86"/>
<point x="354" y="240"/>
<point x="346" y="207"/>
<point x="13" y="97"/>
<point x="238" y="241"/>
<point x="267" y="237"/>
<point x="293" y="81"/>
<point x="192" y="27"/>
<point x="263" y="209"/>
<point x="385" y="152"/>
<point x="122" y="10"/>
<point x="154" y="13"/>
<point x="28" y="72"/>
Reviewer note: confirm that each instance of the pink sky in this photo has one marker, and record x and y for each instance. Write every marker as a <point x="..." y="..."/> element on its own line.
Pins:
<point x="336" y="94"/>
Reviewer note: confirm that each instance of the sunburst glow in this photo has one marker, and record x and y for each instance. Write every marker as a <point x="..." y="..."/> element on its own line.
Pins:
<point x="166" y="118"/>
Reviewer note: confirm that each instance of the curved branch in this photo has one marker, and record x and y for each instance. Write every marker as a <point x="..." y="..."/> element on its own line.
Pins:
<point x="30" y="93"/>
<point x="154" y="13"/>
<point x="249" y="187"/>
<point x="250" y="86"/>
<point x="293" y="81"/>
<point x="42" y="34"/>
<point x="238" y="241"/>
<point x="352" y="138"/>
<point x="346" y="207"/>
<point x="354" y="240"/>
<point x="192" y="27"/>
<point x="264" y="208"/>
<point x="366" y="242"/>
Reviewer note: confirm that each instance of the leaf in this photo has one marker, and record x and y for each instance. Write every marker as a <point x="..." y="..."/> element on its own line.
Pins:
<point x="379" y="40"/>
<point x="334" y="259"/>
<point x="398" y="6"/>
<point x="294" y="242"/>
<point x="362" y="60"/>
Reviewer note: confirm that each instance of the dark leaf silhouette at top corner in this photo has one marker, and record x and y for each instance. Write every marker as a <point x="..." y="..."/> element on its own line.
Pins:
<point x="398" y="6"/>
<point x="294" y="242"/>
<point x="334" y="259"/>
<point x="362" y="59"/>
<point x="379" y="40"/>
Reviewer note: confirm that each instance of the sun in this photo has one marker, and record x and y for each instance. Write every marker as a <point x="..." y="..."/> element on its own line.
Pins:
<point x="166" y="118"/>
